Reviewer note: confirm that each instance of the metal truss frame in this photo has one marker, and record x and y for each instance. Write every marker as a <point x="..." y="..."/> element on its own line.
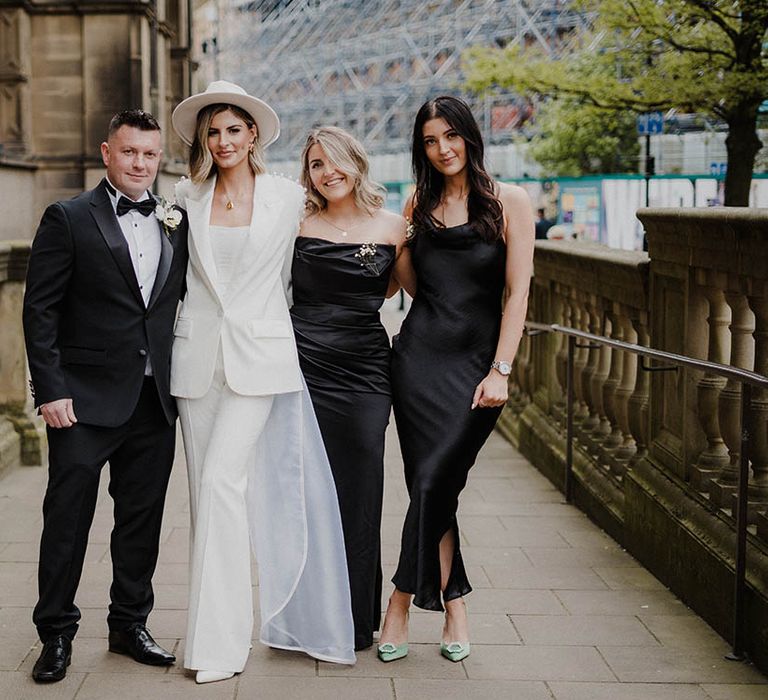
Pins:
<point x="367" y="65"/>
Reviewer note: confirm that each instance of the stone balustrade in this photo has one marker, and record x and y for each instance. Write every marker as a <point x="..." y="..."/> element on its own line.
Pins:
<point x="656" y="453"/>
<point x="21" y="440"/>
<point x="603" y="291"/>
<point x="716" y="264"/>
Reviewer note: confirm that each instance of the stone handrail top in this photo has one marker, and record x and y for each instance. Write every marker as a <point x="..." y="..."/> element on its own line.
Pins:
<point x="592" y="251"/>
<point x="705" y="214"/>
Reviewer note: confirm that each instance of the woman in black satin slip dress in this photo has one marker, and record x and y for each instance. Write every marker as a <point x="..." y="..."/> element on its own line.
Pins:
<point x="344" y="257"/>
<point x="472" y="242"/>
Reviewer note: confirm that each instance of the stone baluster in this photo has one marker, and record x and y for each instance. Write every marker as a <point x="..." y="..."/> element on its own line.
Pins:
<point x="612" y="430"/>
<point x="714" y="457"/>
<point x="513" y="388"/>
<point x="522" y="374"/>
<point x="529" y="371"/>
<point x="626" y="450"/>
<point x="758" y="447"/>
<point x="580" y="360"/>
<point x="729" y="402"/>
<point x="638" y="402"/>
<point x="517" y="385"/>
<point x="599" y="380"/>
<point x="550" y="348"/>
<point x="592" y="419"/>
<point x="561" y="355"/>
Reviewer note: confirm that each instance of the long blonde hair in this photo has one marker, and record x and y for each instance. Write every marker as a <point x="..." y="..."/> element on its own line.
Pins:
<point x="201" y="165"/>
<point x="349" y="156"/>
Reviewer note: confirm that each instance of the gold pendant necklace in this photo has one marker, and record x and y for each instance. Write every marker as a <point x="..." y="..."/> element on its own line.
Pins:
<point x="229" y="204"/>
<point x="344" y="231"/>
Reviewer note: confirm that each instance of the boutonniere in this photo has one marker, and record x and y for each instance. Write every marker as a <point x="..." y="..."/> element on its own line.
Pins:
<point x="168" y="215"/>
<point x="367" y="257"/>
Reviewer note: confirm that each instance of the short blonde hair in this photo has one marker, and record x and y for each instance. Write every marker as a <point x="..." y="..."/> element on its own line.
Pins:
<point x="201" y="165"/>
<point x="349" y="156"/>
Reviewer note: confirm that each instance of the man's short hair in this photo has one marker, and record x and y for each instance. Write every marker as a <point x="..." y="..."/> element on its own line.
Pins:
<point x="137" y="118"/>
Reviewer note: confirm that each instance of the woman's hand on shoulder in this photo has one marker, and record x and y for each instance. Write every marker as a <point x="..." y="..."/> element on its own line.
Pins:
<point x="403" y="274"/>
<point x="408" y="208"/>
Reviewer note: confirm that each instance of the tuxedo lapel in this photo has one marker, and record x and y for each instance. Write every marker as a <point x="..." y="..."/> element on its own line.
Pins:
<point x="163" y="267"/>
<point x="104" y="215"/>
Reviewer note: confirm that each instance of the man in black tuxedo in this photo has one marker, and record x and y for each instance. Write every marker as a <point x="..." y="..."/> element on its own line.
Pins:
<point x="105" y="276"/>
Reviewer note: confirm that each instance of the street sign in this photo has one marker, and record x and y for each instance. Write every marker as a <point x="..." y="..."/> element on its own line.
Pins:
<point x="718" y="169"/>
<point x="650" y="123"/>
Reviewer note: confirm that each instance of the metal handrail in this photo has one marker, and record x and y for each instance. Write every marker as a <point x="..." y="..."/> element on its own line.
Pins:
<point x="747" y="379"/>
<point x="727" y="371"/>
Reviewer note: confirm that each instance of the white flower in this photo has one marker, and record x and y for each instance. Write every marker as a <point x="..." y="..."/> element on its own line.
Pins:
<point x="168" y="215"/>
<point x="367" y="257"/>
<point x="172" y="218"/>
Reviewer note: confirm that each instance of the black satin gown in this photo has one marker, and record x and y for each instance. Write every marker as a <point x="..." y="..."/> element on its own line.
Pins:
<point x="444" y="349"/>
<point x="344" y="353"/>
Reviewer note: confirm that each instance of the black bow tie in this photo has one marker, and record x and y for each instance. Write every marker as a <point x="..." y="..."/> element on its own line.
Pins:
<point x="145" y="207"/>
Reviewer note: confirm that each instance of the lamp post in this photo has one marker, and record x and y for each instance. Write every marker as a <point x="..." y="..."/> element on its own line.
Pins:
<point x="648" y="124"/>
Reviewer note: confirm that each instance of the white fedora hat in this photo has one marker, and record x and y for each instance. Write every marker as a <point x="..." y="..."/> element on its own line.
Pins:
<point x="184" y="118"/>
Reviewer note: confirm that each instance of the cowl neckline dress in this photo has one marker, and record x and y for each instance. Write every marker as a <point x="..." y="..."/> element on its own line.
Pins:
<point x="444" y="349"/>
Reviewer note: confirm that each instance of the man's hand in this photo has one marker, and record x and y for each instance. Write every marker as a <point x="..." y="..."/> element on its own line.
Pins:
<point x="59" y="413"/>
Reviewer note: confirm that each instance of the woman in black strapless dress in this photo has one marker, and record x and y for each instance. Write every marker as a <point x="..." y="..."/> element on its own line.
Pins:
<point x="472" y="241"/>
<point x="343" y="263"/>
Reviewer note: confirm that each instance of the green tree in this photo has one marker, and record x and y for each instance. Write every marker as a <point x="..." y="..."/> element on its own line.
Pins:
<point x="707" y="56"/>
<point x="575" y="139"/>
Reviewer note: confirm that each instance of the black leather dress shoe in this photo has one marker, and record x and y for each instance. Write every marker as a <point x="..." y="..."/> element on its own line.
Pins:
<point x="136" y="642"/>
<point x="52" y="664"/>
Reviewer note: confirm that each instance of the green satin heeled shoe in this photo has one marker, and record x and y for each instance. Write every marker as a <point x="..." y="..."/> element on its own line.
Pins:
<point x="391" y="652"/>
<point x="454" y="651"/>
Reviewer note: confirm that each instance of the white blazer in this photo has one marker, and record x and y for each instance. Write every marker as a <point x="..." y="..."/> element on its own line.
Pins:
<point x="250" y="321"/>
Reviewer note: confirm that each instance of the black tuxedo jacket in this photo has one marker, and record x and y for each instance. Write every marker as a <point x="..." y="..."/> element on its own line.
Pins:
<point x="87" y="331"/>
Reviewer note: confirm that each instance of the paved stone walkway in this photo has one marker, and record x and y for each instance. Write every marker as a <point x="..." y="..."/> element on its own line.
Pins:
<point x="558" y="611"/>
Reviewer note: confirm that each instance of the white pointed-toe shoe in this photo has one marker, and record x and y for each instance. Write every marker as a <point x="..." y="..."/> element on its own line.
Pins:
<point x="212" y="676"/>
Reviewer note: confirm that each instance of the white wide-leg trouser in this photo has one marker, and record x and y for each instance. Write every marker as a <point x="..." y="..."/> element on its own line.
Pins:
<point x="220" y="432"/>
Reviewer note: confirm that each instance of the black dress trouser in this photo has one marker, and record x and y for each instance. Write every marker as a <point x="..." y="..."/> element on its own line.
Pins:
<point x="140" y="455"/>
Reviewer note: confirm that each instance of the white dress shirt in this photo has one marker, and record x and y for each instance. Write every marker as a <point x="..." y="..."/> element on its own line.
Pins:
<point x="143" y="236"/>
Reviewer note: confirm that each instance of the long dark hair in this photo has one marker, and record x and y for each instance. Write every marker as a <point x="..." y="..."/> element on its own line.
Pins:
<point x="483" y="207"/>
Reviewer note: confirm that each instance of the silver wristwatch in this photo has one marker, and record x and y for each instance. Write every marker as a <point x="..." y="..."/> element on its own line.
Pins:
<point x="502" y="367"/>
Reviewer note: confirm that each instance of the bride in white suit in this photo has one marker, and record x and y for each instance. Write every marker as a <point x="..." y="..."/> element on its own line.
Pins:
<point x="254" y="452"/>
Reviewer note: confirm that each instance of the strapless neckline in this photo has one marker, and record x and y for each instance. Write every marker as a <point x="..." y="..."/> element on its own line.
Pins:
<point x="349" y="243"/>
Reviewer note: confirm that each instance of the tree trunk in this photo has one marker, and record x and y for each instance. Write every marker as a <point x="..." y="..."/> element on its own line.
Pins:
<point x="743" y="145"/>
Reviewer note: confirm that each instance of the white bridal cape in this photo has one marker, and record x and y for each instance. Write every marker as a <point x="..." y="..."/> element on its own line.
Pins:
<point x="297" y="537"/>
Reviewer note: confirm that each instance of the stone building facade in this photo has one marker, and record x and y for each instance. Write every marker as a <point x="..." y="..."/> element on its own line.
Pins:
<point x="66" y="66"/>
